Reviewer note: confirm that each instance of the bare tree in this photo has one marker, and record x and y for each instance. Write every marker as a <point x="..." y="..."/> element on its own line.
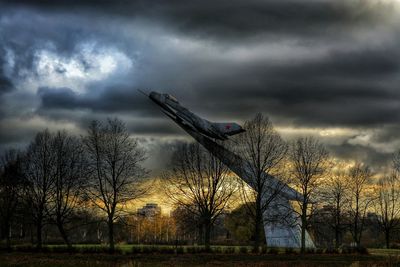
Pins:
<point x="39" y="172"/>
<point x="387" y="205"/>
<point x="69" y="179"/>
<point x="309" y="161"/>
<point x="264" y="150"/>
<point x="200" y="183"/>
<point x="396" y="162"/>
<point x="114" y="166"/>
<point x="12" y="182"/>
<point x="335" y="195"/>
<point x="359" y="201"/>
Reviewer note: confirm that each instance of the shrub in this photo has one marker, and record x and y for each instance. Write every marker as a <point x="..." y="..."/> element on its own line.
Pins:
<point x="200" y="249"/>
<point x="310" y="250"/>
<point x="190" y="250"/>
<point x="362" y="250"/>
<point x="147" y="249"/>
<point x="331" y="251"/>
<point x="290" y="251"/>
<point x="395" y="246"/>
<point x="179" y="250"/>
<point x="264" y="249"/>
<point x="45" y="249"/>
<point x="243" y="250"/>
<point x="63" y="249"/>
<point x="273" y="251"/>
<point x="25" y="248"/>
<point x="229" y="250"/>
<point x="217" y="249"/>
<point x="136" y="249"/>
<point x="168" y="250"/>
<point x="354" y="250"/>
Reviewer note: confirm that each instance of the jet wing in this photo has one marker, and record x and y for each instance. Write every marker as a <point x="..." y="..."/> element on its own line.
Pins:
<point x="178" y="121"/>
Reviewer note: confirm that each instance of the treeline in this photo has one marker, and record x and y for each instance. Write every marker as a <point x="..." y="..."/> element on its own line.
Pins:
<point x="336" y="199"/>
<point x="58" y="175"/>
<point x="81" y="186"/>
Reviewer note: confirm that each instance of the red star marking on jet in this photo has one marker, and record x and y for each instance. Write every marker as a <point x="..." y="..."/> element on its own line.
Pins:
<point x="227" y="127"/>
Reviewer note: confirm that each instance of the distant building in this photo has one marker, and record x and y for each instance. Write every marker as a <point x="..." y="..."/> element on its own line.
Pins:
<point x="149" y="210"/>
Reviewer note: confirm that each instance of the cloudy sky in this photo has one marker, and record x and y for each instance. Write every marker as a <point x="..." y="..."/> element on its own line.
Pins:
<point x="327" y="68"/>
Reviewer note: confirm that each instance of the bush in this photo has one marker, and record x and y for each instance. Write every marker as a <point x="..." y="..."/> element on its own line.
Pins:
<point x="25" y="248"/>
<point x="362" y="250"/>
<point x="195" y="249"/>
<point x="319" y="251"/>
<point x="179" y="250"/>
<point x="273" y="251"/>
<point x="190" y="250"/>
<point x="331" y="251"/>
<point x="243" y="250"/>
<point x="290" y="251"/>
<point x="354" y="250"/>
<point x="395" y="246"/>
<point x="264" y="250"/>
<point x="229" y="250"/>
<point x="136" y="249"/>
<point x="217" y="250"/>
<point x="147" y="249"/>
<point x="310" y="251"/>
<point x="200" y="249"/>
<point x="168" y="250"/>
<point x="63" y="249"/>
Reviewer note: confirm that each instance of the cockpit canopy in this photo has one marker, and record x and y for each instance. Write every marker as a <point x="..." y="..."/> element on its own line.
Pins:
<point x="170" y="97"/>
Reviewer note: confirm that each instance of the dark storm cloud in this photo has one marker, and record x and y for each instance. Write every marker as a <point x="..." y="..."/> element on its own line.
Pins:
<point x="296" y="91"/>
<point x="5" y="84"/>
<point x="111" y="99"/>
<point x="232" y="19"/>
<point x="314" y="63"/>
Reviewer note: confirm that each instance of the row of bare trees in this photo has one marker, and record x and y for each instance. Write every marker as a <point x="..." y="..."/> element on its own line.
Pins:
<point x="202" y="184"/>
<point x="59" y="173"/>
<point x="352" y="193"/>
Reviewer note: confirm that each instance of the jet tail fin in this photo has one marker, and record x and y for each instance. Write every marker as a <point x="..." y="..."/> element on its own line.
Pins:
<point x="228" y="128"/>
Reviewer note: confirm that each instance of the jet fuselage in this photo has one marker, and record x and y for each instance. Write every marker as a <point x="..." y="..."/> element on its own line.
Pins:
<point x="172" y="108"/>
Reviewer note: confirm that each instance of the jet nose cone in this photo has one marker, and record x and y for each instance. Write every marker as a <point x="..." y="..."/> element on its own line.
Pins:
<point x="155" y="96"/>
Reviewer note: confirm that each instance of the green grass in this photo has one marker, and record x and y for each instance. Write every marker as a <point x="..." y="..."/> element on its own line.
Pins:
<point x="170" y="249"/>
<point x="164" y="255"/>
<point x="207" y="259"/>
<point x="132" y="248"/>
<point x="384" y="251"/>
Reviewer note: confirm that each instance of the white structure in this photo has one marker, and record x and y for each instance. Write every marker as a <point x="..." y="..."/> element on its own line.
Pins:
<point x="285" y="230"/>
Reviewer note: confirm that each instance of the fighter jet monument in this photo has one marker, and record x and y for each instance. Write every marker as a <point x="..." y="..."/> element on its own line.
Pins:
<point x="285" y="229"/>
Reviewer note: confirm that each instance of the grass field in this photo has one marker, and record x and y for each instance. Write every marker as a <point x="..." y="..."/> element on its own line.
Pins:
<point x="221" y="260"/>
<point x="125" y="258"/>
<point x="93" y="255"/>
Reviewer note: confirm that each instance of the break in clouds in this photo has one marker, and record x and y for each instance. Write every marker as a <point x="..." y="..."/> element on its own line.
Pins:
<point x="324" y="68"/>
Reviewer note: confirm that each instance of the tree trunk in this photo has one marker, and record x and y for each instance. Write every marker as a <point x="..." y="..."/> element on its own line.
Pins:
<point x="303" y="228"/>
<point x="39" y="234"/>
<point x="337" y="237"/>
<point x="207" y="233"/>
<point x="111" y="234"/>
<point x="387" y="238"/>
<point x="63" y="233"/>
<point x="7" y="233"/>
<point x="257" y="228"/>
<point x="201" y="238"/>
